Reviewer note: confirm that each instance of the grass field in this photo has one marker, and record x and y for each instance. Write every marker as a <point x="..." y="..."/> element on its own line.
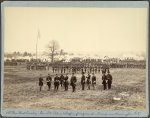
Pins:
<point x="21" y="90"/>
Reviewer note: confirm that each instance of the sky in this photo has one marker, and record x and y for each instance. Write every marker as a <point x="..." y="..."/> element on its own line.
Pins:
<point x="89" y="30"/>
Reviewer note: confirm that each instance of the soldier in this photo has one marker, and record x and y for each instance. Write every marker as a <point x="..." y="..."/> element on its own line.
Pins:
<point x="99" y="69"/>
<point x="95" y="69"/>
<point x="56" y="83"/>
<point x="93" y="81"/>
<point x="83" y="80"/>
<point x="90" y="69"/>
<point x="82" y="70"/>
<point x="66" y="82"/>
<point x="40" y="82"/>
<point x="61" y="80"/>
<point x="85" y="69"/>
<point x="61" y="70"/>
<point x="64" y="70"/>
<point x="109" y="78"/>
<point x="103" y="70"/>
<point x="104" y="80"/>
<point x="88" y="80"/>
<point x="73" y="82"/>
<point x="75" y="69"/>
<point x="49" y="80"/>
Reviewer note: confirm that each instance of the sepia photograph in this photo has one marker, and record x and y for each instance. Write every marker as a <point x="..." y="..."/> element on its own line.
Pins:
<point x="75" y="58"/>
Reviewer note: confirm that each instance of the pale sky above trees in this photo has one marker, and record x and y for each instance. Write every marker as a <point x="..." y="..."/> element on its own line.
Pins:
<point x="76" y="29"/>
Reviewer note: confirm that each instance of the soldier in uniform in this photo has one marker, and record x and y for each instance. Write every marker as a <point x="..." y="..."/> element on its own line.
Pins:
<point x="56" y="83"/>
<point x="95" y="69"/>
<point x="104" y="80"/>
<point x="82" y="70"/>
<point x="90" y="69"/>
<point x="85" y="69"/>
<point x="49" y="80"/>
<point x="64" y="70"/>
<point x="40" y="82"/>
<point x="109" y="79"/>
<point x="61" y="70"/>
<point x="99" y="69"/>
<point x="66" y="82"/>
<point x="93" y="81"/>
<point x="61" y="80"/>
<point x="88" y="80"/>
<point x="83" y="80"/>
<point x="73" y="82"/>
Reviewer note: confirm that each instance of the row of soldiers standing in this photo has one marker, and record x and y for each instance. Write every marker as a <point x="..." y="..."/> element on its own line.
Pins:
<point x="63" y="81"/>
<point x="76" y="69"/>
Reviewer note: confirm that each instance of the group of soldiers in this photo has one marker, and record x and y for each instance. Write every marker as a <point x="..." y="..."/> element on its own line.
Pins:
<point x="76" y="69"/>
<point x="89" y="80"/>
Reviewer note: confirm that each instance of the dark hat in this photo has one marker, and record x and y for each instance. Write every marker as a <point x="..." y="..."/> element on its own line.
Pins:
<point x="82" y="72"/>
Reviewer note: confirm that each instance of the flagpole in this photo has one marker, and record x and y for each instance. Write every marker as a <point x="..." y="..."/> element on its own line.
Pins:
<point x="37" y="47"/>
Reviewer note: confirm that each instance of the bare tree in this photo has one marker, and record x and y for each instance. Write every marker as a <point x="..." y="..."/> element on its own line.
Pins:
<point x="53" y="48"/>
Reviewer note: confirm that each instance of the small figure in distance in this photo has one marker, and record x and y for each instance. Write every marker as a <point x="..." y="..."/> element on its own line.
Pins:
<point x="93" y="80"/>
<point x="88" y="80"/>
<point x="109" y="79"/>
<point x="83" y="81"/>
<point x="49" y="80"/>
<point x="73" y="82"/>
<point x="56" y="83"/>
<point x="40" y="82"/>
<point x="104" y="80"/>
<point x="66" y="82"/>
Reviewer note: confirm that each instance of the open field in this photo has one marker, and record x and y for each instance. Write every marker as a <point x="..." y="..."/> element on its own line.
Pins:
<point x="21" y="90"/>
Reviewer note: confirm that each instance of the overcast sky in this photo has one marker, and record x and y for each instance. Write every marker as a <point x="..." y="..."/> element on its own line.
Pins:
<point x="76" y="29"/>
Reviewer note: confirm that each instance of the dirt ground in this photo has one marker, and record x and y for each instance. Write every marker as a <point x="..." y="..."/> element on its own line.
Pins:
<point x="21" y="90"/>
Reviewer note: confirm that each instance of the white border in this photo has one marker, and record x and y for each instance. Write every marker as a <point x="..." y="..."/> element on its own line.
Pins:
<point x="71" y="113"/>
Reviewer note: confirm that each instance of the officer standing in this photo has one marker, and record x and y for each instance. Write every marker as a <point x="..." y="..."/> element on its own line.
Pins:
<point x="40" y="82"/>
<point x="73" y="82"/>
<point x="109" y="78"/>
<point x="61" y="80"/>
<point x="93" y="81"/>
<point x="49" y="80"/>
<point x="104" y="80"/>
<point x="88" y="80"/>
<point x="66" y="82"/>
<point x="83" y="80"/>
<point x="56" y="83"/>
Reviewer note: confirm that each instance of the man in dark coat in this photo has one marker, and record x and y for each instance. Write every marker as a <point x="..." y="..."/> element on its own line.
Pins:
<point x="93" y="81"/>
<point x="83" y="81"/>
<point x="66" y="82"/>
<point x="40" y="82"/>
<point x="56" y="83"/>
<point x="88" y="80"/>
<point x="49" y="80"/>
<point x="109" y="78"/>
<point x="104" y="80"/>
<point x="61" y="80"/>
<point x="73" y="82"/>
